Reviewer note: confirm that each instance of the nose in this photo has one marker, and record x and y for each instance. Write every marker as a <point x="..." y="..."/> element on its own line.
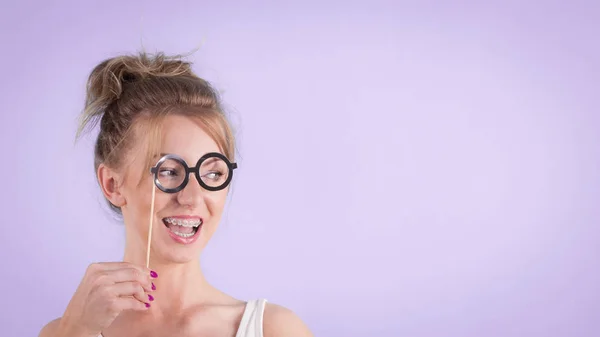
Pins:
<point x="191" y="194"/>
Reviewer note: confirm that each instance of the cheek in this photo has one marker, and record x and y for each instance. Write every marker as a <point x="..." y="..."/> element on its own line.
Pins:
<point x="162" y="201"/>
<point x="144" y="206"/>
<point x="215" y="202"/>
<point x="140" y="201"/>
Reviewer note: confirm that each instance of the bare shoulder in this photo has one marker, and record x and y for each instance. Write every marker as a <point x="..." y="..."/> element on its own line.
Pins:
<point x="50" y="329"/>
<point x="281" y="321"/>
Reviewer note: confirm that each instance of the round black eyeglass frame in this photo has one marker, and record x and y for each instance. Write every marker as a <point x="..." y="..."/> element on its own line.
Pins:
<point x="195" y="170"/>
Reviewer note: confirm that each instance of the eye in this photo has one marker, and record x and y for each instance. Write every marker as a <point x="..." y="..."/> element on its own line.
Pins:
<point x="214" y="175"/>
<point x="165" y="172"/>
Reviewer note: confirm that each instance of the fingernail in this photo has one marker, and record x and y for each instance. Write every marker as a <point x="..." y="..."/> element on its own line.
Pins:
<point x="147" y="305"/>
<point x="153" y="274"/>
<point x="150" y="297"/>
<point x="153" y="286"/>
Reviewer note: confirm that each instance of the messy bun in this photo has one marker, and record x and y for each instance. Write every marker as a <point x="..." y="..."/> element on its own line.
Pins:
<point x="126" y="89"/>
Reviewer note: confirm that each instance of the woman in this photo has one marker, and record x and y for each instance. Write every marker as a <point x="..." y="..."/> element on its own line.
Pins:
<point x="164" y="160"/>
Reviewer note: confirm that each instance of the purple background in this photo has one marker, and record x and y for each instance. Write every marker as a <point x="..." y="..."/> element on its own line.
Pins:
<point x="407" y="169"/>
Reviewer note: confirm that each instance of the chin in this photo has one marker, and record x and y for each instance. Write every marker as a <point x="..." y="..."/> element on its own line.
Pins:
<point x="172" y="253"/>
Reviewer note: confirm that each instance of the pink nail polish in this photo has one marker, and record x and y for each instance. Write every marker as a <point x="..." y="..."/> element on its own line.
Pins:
<point x="153" y="286"/>
<point x="147" y="305"/>
<point x="153" y="274"/>
<point x="150" y="297"/>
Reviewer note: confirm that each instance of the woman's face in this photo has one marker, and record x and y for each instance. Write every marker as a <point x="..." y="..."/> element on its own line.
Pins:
<point x="183" y="221"/>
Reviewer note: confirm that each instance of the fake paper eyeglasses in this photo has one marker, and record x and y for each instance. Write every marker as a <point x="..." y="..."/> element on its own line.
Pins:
<point x="213" y="171"/>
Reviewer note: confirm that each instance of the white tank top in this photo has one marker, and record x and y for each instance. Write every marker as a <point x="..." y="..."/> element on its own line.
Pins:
<point x="251" y="324"/>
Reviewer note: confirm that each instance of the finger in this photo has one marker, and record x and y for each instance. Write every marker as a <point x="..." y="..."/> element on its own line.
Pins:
<point x="129" y="275"/>
<point x="128" y="303"/>
<point x="132" y="289"/>
<point x="104" y="266"/>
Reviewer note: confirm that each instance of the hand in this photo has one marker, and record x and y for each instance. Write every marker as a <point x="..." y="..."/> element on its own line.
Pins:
<point x="107" y="289"/>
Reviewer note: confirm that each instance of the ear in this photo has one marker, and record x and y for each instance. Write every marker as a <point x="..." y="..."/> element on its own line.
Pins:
<point x="110" y="183"/>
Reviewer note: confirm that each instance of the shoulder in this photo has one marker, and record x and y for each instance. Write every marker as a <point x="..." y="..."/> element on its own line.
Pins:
<point x="281" y="321"/>
<point x="50" y="329"/>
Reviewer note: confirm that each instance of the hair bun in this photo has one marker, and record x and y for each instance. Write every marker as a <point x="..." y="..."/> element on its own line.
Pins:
<point x="109" y="79"/>
<point x="106" y="79"/>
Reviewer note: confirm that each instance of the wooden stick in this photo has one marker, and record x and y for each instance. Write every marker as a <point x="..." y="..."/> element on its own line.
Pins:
<point x="150" y="229"/>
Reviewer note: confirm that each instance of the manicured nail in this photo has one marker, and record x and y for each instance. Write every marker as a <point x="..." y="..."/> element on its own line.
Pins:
<point x="147" y="305"/>
<point x="150" y="298"/>
<point x="153" y="274"/>
<point x="153" y="286"/>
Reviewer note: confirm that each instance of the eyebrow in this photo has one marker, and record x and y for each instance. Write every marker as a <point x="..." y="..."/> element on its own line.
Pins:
<point x="164" y="154"/>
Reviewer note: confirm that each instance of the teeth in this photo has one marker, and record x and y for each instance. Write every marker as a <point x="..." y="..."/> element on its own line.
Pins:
<point x="183" y="235"/>
<point x="184" y="223"/>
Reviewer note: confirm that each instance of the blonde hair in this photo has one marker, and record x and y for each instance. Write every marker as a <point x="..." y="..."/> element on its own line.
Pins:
<point x="132" y="93"/>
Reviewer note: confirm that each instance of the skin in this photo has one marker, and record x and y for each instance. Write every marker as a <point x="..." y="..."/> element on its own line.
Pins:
<point x="111" y="297"/>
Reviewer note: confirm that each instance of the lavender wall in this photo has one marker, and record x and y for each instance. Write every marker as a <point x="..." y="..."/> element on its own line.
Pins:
<point x="435" y="167"/>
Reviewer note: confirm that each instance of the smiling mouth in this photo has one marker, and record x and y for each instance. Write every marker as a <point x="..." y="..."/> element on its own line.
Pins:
<point x="184" y="228"/>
